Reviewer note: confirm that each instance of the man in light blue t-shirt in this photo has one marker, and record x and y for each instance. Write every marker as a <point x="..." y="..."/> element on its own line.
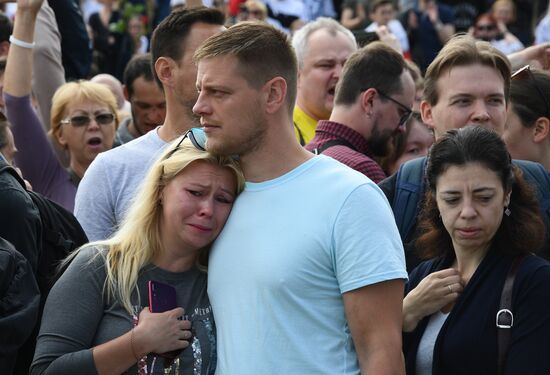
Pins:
<point x="307" y="276"/>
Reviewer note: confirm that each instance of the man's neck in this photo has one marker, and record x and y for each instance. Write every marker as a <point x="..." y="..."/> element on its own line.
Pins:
<point x="278" y="154"/>
<point x="352" y="118"/>
<point x="176" y="123"/>
<point x="133" y="130"/>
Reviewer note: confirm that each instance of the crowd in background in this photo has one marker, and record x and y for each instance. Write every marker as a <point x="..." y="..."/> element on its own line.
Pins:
<point x="97" y="101"/>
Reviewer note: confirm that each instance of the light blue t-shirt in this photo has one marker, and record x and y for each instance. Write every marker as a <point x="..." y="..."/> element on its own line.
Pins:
<point x="289" y="250"/>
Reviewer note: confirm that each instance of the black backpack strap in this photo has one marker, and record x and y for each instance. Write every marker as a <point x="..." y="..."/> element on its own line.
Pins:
<point x="300" y="135"/>
<point x="409" y="190"/>
<point x="335" y="142"/>
<point x="505" y="317"/>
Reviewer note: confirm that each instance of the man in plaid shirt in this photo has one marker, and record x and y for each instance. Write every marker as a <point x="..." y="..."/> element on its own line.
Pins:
<point x="373" y="102"/>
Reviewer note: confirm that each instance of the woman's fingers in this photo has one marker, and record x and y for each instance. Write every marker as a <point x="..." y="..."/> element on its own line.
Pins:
<point x="165" y="331"/>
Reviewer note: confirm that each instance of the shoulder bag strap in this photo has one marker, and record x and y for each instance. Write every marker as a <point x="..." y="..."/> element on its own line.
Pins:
<point x="505" y="317"/>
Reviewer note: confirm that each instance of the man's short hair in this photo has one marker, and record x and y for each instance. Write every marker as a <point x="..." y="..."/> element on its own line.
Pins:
<point x="169" y="36"/>
<point x="138" y="66"/>
<point x="374" y="66"/>
<point x="6" y="27"/>
<point x="263" y="53"/>
<point x="301" y="37"/>
<point x="463" y="50"/>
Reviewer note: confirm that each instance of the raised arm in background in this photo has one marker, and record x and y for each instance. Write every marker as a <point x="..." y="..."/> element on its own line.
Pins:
<point x="36" y="157"/>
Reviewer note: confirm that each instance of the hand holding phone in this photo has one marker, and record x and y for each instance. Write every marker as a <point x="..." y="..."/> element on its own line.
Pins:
<point x="162" y="297"/>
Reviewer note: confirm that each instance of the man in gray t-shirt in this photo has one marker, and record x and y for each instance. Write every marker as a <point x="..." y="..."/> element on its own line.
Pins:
<point x="112" y="179"/>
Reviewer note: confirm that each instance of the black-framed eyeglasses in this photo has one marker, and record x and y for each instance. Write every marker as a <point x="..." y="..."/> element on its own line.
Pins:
<point x="197" y="138"/>
<point x="407" y="111"/>
<point x="83" y="120"/>
<point x="526" y="73"/>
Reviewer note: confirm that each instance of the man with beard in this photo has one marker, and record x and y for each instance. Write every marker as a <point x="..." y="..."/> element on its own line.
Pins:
<point x="322" y="47"/>
<point x="112" y="179"/>
<point x="309" y="262"/>
<point x="373" y="102"/>
<point x="146" y="99"/>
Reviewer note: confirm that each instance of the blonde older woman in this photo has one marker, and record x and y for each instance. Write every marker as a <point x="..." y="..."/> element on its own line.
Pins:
<point x="107" y="328"/>
<point x="83" y="118"/>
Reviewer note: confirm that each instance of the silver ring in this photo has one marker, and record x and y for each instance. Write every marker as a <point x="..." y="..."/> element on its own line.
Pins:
<point x="450" y="288"/>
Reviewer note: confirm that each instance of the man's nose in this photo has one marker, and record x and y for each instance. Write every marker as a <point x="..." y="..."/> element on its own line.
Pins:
<point x="338" y="70"/>
<point x="480" y="114"/>
<point x="201" y="107"/>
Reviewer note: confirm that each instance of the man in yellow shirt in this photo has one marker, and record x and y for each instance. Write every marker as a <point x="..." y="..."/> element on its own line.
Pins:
<point x="322" y="47"/>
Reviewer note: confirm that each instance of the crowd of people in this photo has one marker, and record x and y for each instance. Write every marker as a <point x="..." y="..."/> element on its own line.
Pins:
<point x="295" y="186"/>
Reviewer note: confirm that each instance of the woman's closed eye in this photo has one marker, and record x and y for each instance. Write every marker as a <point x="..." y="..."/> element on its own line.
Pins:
<point x="195" y="193"/>
<point x="451" y="200"/>
<point x="222" y="198"/>
<point x="484" y="198"/>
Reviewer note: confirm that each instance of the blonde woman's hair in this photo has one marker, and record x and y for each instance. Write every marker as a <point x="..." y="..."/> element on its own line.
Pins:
<point x="73" y="92"/>
<point x="137" y="241"/>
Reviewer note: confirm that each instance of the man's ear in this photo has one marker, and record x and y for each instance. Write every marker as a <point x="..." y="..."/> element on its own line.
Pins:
<point x="426" y="114"/>
<point x="541" y="130"/>
<point x="275" y="94"/>
<point x="125" y="92"/>
<point x="367" y="100"/>
<point x="164" y="67"/>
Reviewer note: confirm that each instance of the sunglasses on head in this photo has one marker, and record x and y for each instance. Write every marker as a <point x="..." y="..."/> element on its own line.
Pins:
<point x="83" y="120"/>
<point x="525" y="73"/>
<point x="197" y="138"/>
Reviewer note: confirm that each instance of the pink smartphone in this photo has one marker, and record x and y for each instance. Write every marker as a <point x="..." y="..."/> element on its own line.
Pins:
<point x="162" y="297"/>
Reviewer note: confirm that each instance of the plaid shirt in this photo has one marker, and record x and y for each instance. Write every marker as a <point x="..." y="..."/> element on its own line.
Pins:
<point x="359" y="159"/>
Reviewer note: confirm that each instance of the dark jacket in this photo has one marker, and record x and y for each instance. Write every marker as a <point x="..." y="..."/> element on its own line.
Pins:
<point x="19" y="304"/>
<point x="75" y="44"/>
<point x="467" y="342"/>
<point x="20" y="222"/>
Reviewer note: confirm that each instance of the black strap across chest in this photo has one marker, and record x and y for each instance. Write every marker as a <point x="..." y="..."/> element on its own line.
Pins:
<point x="335" y="142"/>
